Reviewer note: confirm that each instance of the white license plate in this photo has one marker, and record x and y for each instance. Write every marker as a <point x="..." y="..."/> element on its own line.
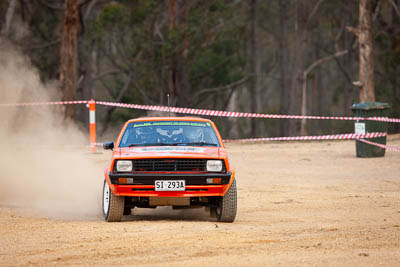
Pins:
<point x="169" y="185"/>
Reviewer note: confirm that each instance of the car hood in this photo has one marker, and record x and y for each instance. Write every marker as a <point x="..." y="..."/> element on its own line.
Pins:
<point x="171" y="151"/>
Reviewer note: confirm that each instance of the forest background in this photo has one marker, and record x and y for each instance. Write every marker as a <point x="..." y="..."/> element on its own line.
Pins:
<point x="236" y="55"/>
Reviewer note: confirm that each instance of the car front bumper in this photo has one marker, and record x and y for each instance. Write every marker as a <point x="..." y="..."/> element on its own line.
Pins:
<point x="143" y="184"/>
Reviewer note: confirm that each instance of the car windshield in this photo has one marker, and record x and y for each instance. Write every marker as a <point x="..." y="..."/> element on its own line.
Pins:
<point x="169" y="133"/>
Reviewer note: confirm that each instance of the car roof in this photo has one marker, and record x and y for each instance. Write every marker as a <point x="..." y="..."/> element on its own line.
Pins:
<point x="170" y="119"/>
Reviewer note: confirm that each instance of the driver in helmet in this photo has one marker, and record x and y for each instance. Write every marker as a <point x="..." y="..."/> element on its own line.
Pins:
<point x="194" y="135"/>
<point x="145" y="135"/>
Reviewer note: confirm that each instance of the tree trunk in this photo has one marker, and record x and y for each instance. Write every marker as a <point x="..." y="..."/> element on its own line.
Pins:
<point x="255" y="69"/>
<point x="348" y="94"/>
<point x="367" y="91"/>
<point x="395" y="80"/>
<point x="85" y="80"/>
<point x="348" y="62"/>
<point x="283" y="64"/>
<point x="9" y="16"/>
<point x="183" y="84"/>
<point x="234" y="122"/>
<point x="68" y="54"/>
<point x="304" y="86"/>
<point x="314" y="101"/>
<point x="178" y="80"/>
<point x="172" y="69"/>
<point x="87" y="55"/>
<point x="298" y="68"/>
<point x="110" y="110"/>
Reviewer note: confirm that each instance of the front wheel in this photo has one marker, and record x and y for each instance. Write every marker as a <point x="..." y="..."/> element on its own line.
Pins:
<point x="113" y="206"/>
<point x="227" y="205"/>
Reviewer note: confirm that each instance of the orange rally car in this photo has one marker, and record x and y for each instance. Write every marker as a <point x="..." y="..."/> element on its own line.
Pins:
<point x="169" y="161"/>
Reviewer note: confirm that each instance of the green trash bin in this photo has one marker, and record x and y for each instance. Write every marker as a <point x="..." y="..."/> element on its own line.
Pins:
<point x="370" y="109"/>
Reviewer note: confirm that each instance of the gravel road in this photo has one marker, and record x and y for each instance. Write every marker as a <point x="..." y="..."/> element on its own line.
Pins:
<point x="299" y="204"/>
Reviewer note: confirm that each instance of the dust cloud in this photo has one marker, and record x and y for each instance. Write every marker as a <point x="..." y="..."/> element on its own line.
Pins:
<point x="46" y="167"/>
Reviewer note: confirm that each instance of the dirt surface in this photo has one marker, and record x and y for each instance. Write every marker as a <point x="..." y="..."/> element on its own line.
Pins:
<point x="299" y="204"/>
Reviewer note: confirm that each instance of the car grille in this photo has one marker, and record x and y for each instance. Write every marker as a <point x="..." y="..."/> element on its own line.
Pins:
<point x="170" y="165"/>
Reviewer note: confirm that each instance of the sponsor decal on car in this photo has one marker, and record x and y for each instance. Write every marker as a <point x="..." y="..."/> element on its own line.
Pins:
<point x="169" y="149"/>
<point x="171" y="123"/>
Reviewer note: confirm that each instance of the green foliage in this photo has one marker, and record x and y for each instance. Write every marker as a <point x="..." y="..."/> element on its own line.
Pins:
<point x="43" y="31"/>
<point x="142" y="10"/>
<point x="112" y="15"/>
<point x="217" y="62"/>
<point x="213" y="47"/>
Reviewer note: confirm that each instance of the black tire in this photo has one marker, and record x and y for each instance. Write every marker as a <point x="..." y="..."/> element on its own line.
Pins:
<point x="113" y="206"/>
<point x="227" y="205"/>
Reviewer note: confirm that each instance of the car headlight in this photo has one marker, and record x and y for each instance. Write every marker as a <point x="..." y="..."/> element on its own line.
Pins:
<point x="124" y="165"/>
<point x="214" y="165"/>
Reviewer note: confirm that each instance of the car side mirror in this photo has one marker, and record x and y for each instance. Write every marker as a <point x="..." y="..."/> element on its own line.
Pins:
<point x="108" y="145"/>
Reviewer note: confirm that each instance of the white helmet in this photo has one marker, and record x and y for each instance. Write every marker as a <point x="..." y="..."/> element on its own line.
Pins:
<point x="194" y="134"/>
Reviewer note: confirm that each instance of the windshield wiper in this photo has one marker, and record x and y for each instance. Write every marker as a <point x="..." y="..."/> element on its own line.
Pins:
<point x="195" y="144"/>
<point x="151" y="144"/>
<point x="132" y="145"/>
<point x="176" y="144"/>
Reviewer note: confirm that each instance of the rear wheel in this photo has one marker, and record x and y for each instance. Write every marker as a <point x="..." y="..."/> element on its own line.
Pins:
<point x="113" y="206"/>
<point x="227" y="205"/>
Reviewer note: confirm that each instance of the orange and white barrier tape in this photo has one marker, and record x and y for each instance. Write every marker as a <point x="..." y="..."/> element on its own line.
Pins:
<point x="207" y="112"/>
<point x="312" y="138"/>
<point x="203" y="112"/>
<point x="308" y="138"/>
<point x="27" y="104"/>
<point x="358" y="137"/>
<point x="218" y="113"/>
<point x="380" y="145"/>
<point x="92" y="114"/>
